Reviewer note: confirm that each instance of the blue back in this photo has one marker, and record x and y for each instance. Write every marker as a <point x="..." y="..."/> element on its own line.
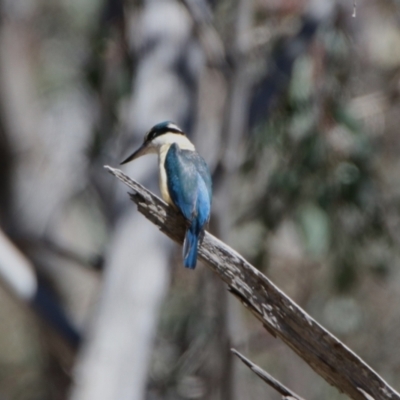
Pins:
<point x="189" y="184"/>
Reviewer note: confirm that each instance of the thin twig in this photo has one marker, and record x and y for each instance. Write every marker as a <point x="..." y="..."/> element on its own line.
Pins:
<point x="327" y="355"/>
<point x="279" y="387"/>
<point x="354" y="8"/>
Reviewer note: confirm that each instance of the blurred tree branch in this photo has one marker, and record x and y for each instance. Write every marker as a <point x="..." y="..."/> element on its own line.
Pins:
<point x="329" y="357"/>
<point x="279" y="387"/>
<point x="209" y="38"/>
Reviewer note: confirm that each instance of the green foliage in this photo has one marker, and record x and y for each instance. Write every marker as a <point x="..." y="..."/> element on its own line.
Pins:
<point x="315" y="226"/>
<point x="324" y="179"/>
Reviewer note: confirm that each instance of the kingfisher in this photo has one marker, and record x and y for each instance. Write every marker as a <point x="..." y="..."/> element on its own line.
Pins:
<point x="185" y="181"/>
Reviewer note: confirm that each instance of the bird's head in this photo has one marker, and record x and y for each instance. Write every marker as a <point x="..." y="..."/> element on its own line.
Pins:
<point x="162" y="134"/>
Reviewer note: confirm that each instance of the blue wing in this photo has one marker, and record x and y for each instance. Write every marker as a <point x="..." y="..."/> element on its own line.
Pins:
<point x="189" y="183"/>
<point x="202" y="168"/>
<point x="189" y="186"/>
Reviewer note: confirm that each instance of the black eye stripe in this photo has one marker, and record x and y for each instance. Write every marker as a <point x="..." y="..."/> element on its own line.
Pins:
<point x="175" y="131"/>
<point x="155" y="133"/>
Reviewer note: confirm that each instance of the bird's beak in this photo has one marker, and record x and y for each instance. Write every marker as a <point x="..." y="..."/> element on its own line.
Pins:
<point x="141" y="151"/>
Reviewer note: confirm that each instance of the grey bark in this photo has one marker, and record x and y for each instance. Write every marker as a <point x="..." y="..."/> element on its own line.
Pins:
<point x="279" y="387"/>
<point x="282" y="317"/>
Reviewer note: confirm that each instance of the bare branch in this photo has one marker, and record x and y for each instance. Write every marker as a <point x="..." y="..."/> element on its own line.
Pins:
<point x="279" y="387"/>
<point x="329" y="357"/>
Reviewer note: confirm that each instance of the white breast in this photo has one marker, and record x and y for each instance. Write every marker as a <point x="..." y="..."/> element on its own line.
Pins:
<point x="163" y="176"/>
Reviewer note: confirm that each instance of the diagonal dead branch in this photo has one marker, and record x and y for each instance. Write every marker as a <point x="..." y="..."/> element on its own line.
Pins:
<point x="328" y="356"/>
<point x="279" y="387"/>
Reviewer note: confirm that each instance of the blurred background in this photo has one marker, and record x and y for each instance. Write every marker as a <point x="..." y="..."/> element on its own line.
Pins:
<point x="295" y="107"/>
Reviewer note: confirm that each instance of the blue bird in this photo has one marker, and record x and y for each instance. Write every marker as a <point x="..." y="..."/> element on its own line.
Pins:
<point x="185" y="181"/>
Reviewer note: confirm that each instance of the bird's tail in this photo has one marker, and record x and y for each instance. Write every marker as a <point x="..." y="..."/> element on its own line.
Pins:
<point x="190" y="247"/>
